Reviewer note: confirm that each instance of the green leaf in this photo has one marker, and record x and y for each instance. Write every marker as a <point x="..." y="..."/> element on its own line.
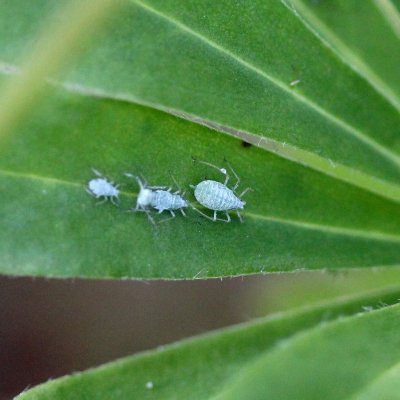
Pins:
<point x="384" y="387"/>
<point x="326" y="192"/>
<point x="199" y="368"/>
<point x="230" y="65"/>
<point x="52" y="227"/>
<point x="346" y="26"/>
<point x="336" y="361"/>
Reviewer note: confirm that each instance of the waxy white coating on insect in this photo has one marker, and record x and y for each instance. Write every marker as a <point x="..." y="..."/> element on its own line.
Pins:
<point x="218" y="196"/>
<point x="159" y="198"/>
<point x="101" y="187"/>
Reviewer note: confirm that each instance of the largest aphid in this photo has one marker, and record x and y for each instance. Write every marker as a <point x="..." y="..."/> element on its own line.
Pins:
<point x="218" y="196"/>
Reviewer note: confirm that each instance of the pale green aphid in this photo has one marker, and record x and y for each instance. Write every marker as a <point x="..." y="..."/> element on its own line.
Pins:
<point x="218" y="196"/>
<point x="101" y="187"/>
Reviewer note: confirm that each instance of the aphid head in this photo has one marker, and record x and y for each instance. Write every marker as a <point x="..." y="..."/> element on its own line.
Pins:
<point x="183" y="203"/>
<point x="242" y="204"/>
<point x="114" y="191"/>
<point x="145" y="197"/>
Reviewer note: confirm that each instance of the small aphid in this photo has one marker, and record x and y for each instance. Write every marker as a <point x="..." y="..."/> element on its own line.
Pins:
<point x="149" y="385"/>
<point x="159" y="198"/>
<point x="217" y="196"/>
<point x="101" y="187"/>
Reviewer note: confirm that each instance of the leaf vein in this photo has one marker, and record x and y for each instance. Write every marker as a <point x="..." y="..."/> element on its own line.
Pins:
<point x="300" y="224"/>
<point x="395" y="158"/>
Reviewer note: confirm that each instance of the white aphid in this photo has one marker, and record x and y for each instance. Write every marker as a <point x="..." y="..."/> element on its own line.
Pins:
<point x="217" y="196"/>
<point x="149" y="385"/>
<point x="101" y="187"/>
<point x="159" y="198"/>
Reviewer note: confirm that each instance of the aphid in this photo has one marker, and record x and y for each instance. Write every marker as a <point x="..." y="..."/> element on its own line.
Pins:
<point x="294" y="83"/>
<point x="159" y="198"/>
<point x="217" y="196"/>
<point x="101" y="187"/>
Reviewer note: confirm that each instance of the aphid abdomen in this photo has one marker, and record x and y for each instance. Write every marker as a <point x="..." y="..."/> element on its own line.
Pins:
<point x="164" y="200"/>
<point x="216" y="196"/>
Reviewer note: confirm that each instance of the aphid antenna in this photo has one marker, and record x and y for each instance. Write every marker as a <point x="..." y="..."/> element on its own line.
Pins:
<point x="140" y="180"/>
<point x="176" y="184"/>
<point x="221" y="170"/>
<point x="245" y="191"/>
<point x="115" y="203"/>
<point x="96" y="172"/>
<point x="234" y="174"/>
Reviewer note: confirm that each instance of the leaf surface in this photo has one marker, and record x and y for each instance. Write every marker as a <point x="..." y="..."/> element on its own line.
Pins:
<point x="162" y="84"/>
<point x="50" y="226"/>
<point x="199" y="368"/>
<point x="231" y="65"/>
<point x="346" y="26"/>
<point x="384" y="387"/>
<point x="338" y="360"/>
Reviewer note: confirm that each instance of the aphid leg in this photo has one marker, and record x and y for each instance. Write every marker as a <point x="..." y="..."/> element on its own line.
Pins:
<point x="200" y="212"/>
<point x="236" y="176"/>
<point x="228" y="217"/>
<point x="215" y="216"/>
<point x="112" y="198"/>
<point x="240" y="217"/>
<point x="141" y="209"/>
<point x="167" y="219"/>
<point x="90" y="192"/>
<point x="183" y="212"/>
<point x="151" y="219"/>
<point x="158" y="188"/>
<point x="102" y="201"/>
<point x="245" y="191"/>
<point x="222" y="170"/>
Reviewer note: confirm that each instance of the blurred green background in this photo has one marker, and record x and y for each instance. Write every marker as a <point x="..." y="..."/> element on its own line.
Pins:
<point x="50" y="327"/>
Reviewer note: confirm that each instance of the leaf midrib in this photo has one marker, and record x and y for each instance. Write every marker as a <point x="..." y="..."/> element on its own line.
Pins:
<point x="387" y="153"/>
<point x="355" y="233"/>
<point x="371" y="383"/>
<point x="347" y="55"/>
<point x="378" y="186"/>
<point x="390" y="14"/>
<point x="304" y="335"/>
